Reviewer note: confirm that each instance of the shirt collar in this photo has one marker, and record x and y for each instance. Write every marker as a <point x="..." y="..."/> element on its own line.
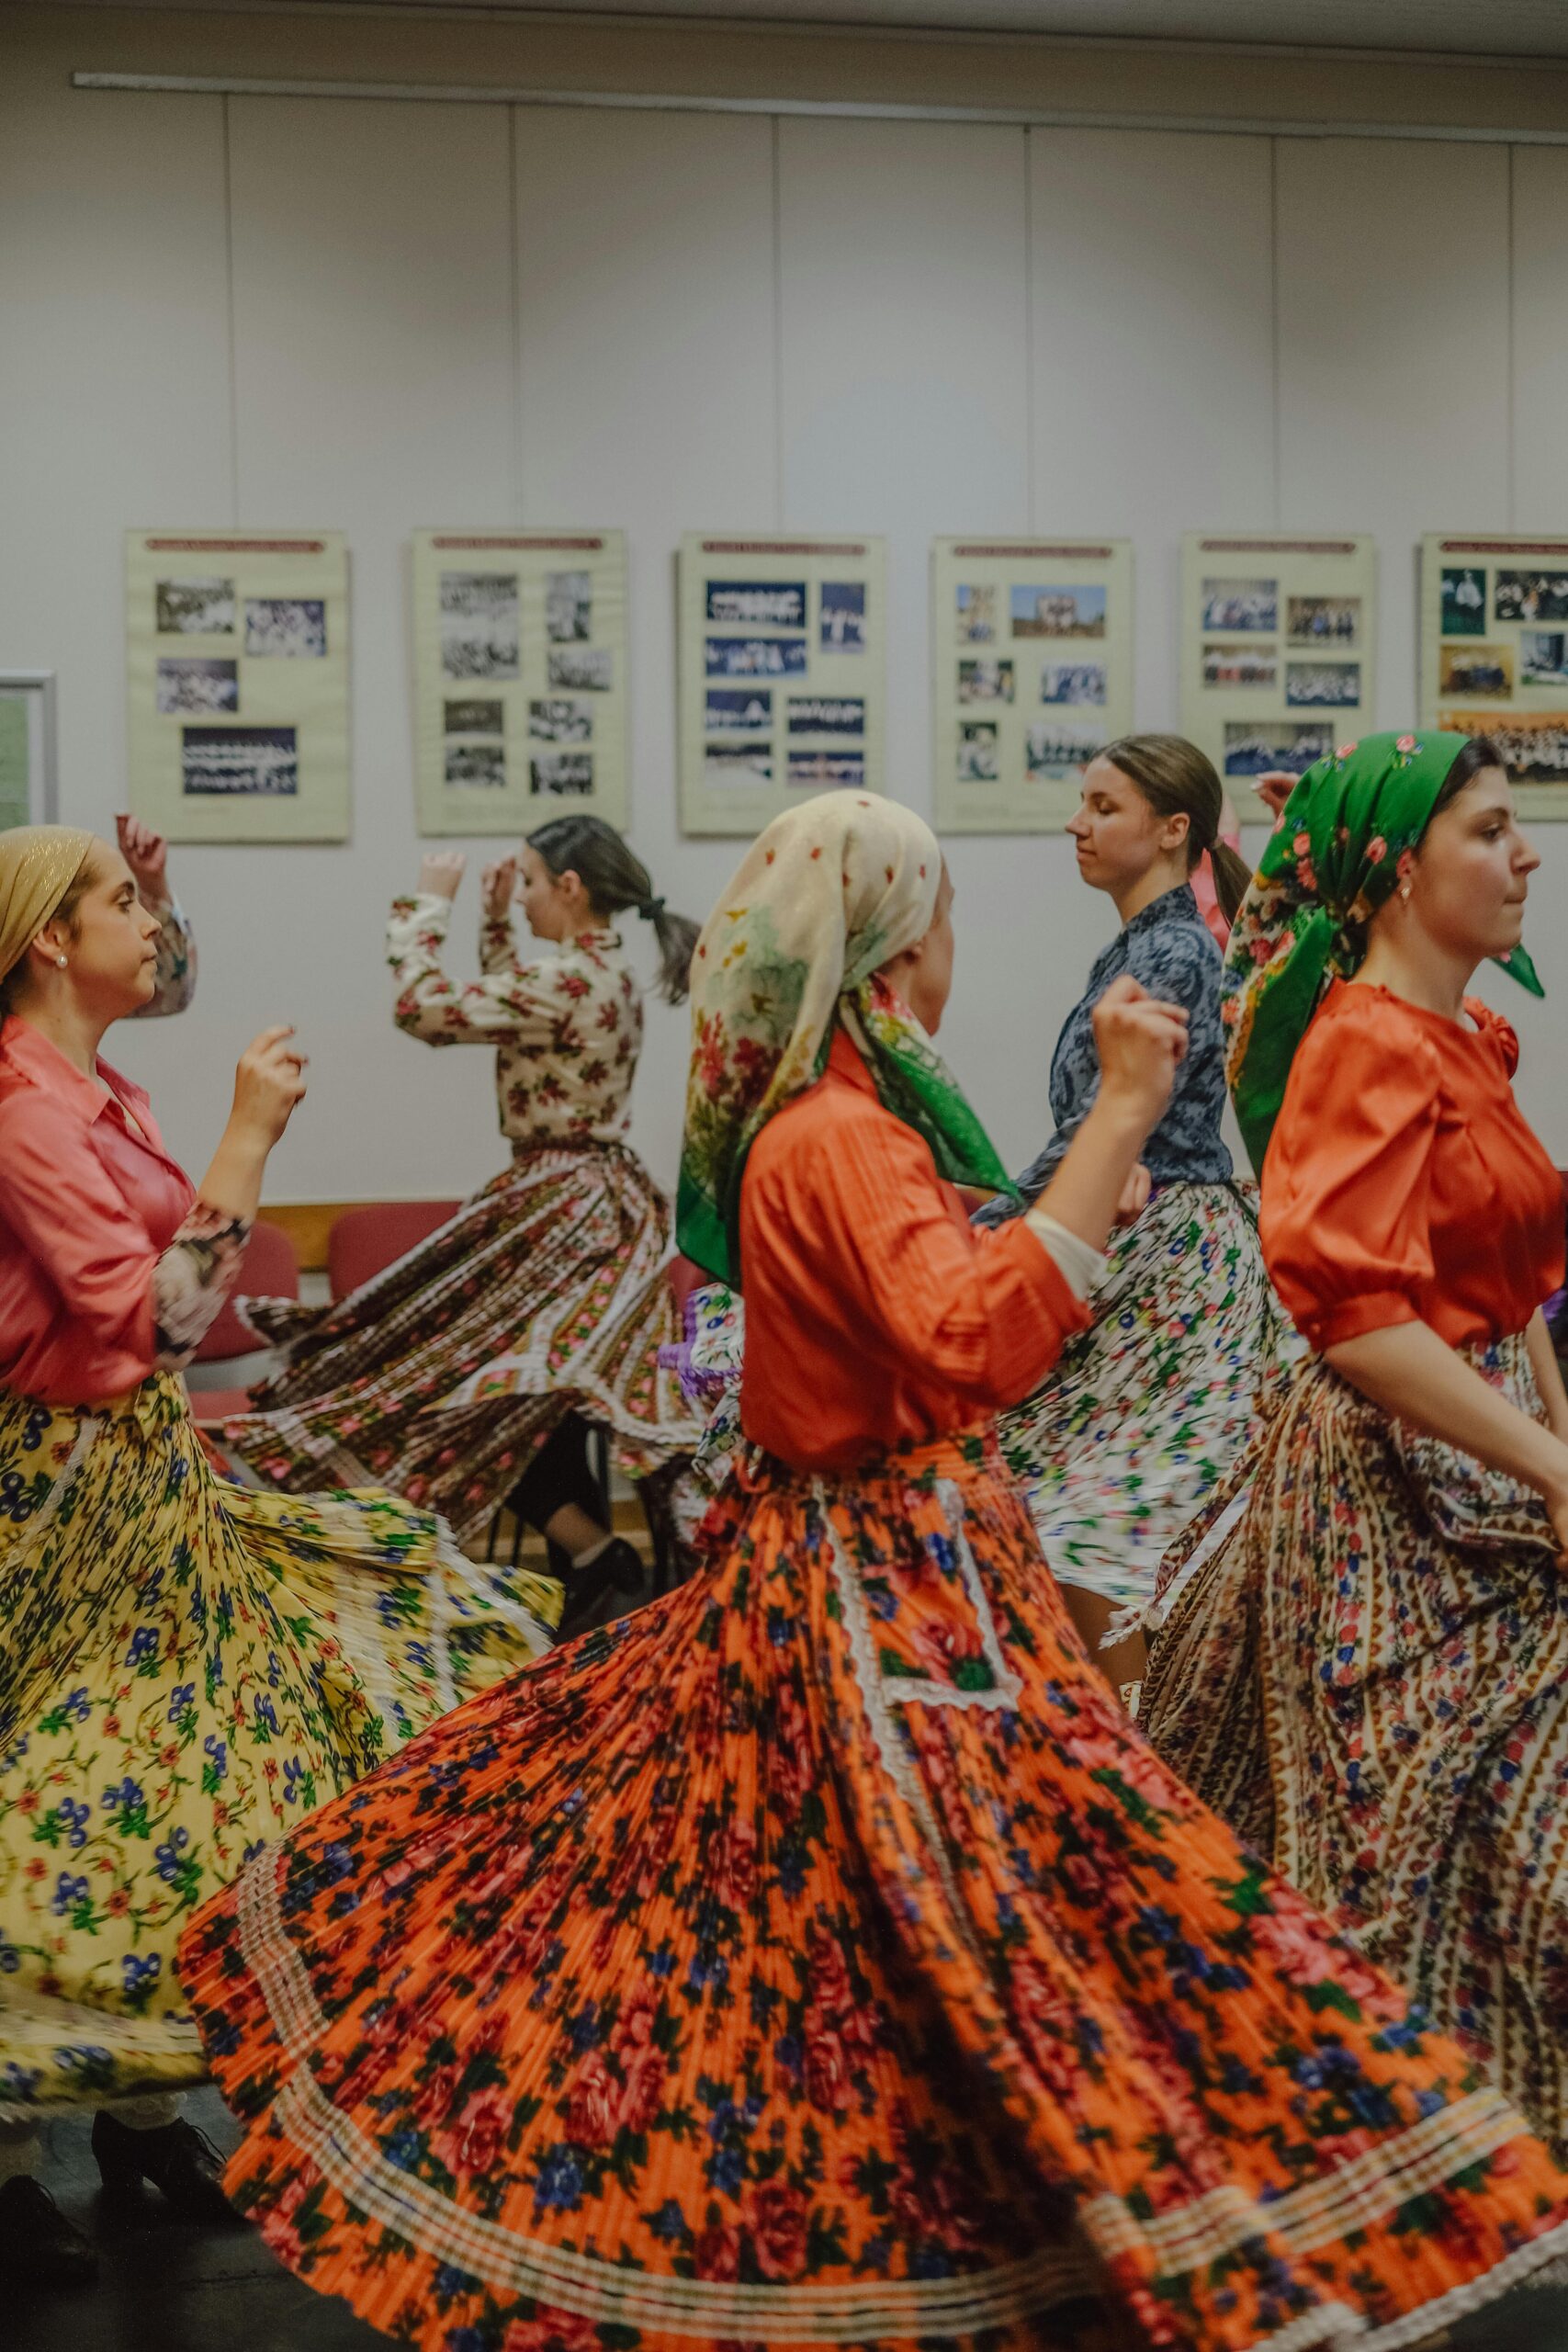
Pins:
<point x="1179" y="905"/>
<point x="27" y="1050"/>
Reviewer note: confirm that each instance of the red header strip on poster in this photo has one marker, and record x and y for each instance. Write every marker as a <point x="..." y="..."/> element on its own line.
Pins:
<point x="584" y="546"/>
<point x="781" y="547"/>
<point x="1032" y="547"/>
<point x="1278" y="546"/>
<point x="1558" y="547"/>
<point x="236" y="546"/>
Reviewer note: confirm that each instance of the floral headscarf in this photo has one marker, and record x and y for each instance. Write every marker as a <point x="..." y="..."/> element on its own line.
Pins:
<point x="1349" y="834"/>
<point x="822" y="900"/>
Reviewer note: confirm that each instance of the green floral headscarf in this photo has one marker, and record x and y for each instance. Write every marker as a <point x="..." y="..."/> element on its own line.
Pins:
<point x="1349" y="831"/>
<point x="822" y="900"/>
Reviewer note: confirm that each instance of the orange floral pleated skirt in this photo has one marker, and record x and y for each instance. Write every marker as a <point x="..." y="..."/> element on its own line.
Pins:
<point x="819" y="1956"/>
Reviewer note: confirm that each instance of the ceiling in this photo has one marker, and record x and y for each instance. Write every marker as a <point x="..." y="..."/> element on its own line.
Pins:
<point x="1458" y="28"/>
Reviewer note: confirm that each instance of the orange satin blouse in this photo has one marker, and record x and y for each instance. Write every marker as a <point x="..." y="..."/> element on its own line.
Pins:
<point x="1402" y="1183"/>
<point x="874" y="1312"/>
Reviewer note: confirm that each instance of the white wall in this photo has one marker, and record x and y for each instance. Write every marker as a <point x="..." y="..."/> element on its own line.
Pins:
<point x="376" y="316"/>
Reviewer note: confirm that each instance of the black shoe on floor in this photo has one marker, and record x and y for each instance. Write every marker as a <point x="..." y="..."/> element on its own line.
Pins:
<point x="38" y="2248"/>
<point x="602" y="1591"/>
<point x="176" y="2158"/>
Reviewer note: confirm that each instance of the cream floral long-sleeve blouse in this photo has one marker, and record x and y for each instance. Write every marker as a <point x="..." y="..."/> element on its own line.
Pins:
<point x="566" y="1027"/>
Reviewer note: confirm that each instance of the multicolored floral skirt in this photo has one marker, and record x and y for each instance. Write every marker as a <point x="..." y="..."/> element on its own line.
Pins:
<point x="819" y="1956"/>
<point x="1364" y="1667"/>
<point x="546" y="1294"/>
<point x="1145" y="1412"/>
<point x="185" y="1670"/>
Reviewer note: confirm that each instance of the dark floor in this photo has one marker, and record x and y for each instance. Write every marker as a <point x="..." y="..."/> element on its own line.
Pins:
<point x="165" y="2288"/>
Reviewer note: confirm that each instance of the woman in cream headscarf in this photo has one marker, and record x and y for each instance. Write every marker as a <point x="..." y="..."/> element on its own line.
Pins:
<point x="185" y="1667"/>
<point x="819" y="1955"/>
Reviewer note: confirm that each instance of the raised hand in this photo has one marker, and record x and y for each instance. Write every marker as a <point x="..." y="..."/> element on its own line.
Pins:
<point x="269" y="1084"/>
<point x="1274" y="788"/>
<point x="498" y="888"/>
<point x="440" y="872"/>
<point x="146" y="855"/>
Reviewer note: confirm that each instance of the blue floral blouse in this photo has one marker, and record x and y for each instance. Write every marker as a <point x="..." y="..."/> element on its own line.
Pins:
<point x="1169" y="950"/>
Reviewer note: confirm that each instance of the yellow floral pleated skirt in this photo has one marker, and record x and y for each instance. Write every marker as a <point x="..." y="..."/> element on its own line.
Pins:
<point x="187" y="1668"/>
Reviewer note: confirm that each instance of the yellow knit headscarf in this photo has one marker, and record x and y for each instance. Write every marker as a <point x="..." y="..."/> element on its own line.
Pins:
<point x="38" y="866"/>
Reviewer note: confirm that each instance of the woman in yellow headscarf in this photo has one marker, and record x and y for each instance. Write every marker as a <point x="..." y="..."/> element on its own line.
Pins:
<point x="185" y="1667"/>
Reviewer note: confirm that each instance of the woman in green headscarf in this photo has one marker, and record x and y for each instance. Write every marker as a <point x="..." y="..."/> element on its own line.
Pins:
<point x="1364" y="1663"/>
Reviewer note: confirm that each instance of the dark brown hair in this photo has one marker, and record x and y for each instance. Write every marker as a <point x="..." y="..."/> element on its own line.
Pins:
<point x="1179" y="780"/>
<point x="614" y="878"/>
<point x="65" y="912"/>
<point x="1479" y="753"/>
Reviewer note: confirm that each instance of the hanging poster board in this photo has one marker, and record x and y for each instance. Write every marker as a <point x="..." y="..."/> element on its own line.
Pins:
<point x="520" y="678"/>
<point x="782" y="671"/>
<point x="237" y="666"/>
<point x="29" y="787"/>
<point x="1279" y="640"/>
<point x="1032" y="660"/>
<point x="1494" y="655"/>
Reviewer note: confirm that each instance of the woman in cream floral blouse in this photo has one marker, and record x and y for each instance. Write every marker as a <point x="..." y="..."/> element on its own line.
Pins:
<point x="467" y="1372"/>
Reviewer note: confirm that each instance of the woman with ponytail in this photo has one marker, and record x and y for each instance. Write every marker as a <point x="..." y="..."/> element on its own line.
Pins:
<point x="1145" y="1410"/>
<point x="467" y="1372"/>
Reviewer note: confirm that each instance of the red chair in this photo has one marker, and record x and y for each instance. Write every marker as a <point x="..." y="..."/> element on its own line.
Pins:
<point x="365" y="1242"/>
<point x="268" y="1270"/>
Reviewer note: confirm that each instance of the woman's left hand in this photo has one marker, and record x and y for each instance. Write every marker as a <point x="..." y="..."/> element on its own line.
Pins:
<point x="146" y="855"/>
<point x="440" y="873"/>
<point x="498" y="888"/>
<point x="1135" y="1197"/>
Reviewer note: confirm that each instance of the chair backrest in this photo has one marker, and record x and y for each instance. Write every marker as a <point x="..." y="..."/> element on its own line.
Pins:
<point x="684" y="1277"/>
<point x="364" y="1242"/>
<point x="268" y="1270"/>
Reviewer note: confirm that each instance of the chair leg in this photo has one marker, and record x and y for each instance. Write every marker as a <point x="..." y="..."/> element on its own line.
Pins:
<point x="599" y="1468"/>
<point x="494" y="1532"/>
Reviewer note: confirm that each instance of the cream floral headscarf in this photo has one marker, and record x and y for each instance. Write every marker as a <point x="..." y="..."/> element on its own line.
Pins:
<point x="823" y="899"/>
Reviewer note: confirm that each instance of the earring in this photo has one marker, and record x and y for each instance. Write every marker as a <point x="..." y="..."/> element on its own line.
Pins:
<point x="61" y="961"/>
<point x="1404" y="892"/>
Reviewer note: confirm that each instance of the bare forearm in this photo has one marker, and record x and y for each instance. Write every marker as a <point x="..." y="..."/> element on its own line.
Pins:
<point x="1409" y="1370"/>
<point x="233" y="1184"/>
<point x="1085" y="1190"/>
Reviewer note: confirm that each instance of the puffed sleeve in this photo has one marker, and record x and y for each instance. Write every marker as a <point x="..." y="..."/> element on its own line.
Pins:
<point x="985" y="1314"/>
<point x="1346" y="1192"/>
<point x="513" y="1003"/>
<point x="173" y="975"/>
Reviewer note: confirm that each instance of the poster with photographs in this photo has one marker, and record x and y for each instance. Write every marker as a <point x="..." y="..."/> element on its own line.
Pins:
<point x="1278" y="646"/>
<point x="1032" y="660"/>
<point x="781" y="658"/>
<point x="1495" y="656"/>
<point x="237" y="663"/>
<point x="520" y="678"/>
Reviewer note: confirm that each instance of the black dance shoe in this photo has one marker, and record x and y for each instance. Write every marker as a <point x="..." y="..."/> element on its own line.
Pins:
<point x="38" y="2248"/>
<point x="596" y="1594"/>
<point x="176" y="2158"/>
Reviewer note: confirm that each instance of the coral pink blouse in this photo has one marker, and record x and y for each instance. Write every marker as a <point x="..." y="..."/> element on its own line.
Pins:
<point x="874" y="1312"/>
<point x="87" y="1207"/>
<point x="1402" y="1183"/>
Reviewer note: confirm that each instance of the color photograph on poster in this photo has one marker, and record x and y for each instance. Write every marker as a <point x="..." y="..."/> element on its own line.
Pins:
<point x="1032" y="660"/>
<point x="781" y="675"/>
<point x="237" y="673"/>
<point x="1494" y="655"/>
<point x="520" y="677"/>
<point x="1277" y="651"/>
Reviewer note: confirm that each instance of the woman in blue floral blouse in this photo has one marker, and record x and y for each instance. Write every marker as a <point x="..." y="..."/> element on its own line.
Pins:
<point x="1145" y="1410"/>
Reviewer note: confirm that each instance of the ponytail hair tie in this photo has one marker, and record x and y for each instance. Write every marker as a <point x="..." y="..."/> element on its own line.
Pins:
<point x="650" y="910"/>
